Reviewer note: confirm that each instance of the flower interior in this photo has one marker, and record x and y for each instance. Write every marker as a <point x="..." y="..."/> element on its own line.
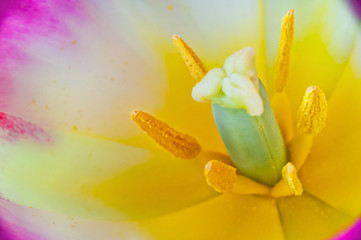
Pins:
<point x="257" y="131"/>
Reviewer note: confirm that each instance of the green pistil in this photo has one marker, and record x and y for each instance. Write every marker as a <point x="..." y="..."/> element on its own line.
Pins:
<point x="244" y="117"/>
<point x="254" y="144"/>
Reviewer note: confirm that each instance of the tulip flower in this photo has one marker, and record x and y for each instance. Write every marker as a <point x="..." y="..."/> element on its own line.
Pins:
<point x="270" y="151"/>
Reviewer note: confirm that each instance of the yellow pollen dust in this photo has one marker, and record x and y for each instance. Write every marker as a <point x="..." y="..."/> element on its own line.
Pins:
<point x="194" y="64"/>
<point x="220" y="176"/>
<point x="177" y="143"/>
<point x="289" y="174"/>
<point x="284" y="50"/>
<point x="311" y="116"/>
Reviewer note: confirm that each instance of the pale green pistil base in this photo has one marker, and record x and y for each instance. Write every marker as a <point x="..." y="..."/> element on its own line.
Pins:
<point x="254" y="143"/>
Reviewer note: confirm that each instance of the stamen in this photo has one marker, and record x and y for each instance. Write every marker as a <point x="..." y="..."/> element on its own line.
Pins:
<point x="284" y="50"/>
<point x="299" y="149"/>
<point x="223" y="178"/>
<point x="205" y="156"/>
<point x="290" y="185"/>
<point x="311" y="116"/>
<point x="289" y="174"/>
<point x="246" y="186"/>
<point x="177" y="143"/>
<point x="194" y="64"/>
<point x="282" y="111"/>
<point x="220" y="176"/>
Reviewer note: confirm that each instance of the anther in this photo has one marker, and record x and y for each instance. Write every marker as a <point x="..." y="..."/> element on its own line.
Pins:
<point x="311" y="116"/>
<point x="290" y="184"/>
<point x="194" y="64"/>
<point x="284" y="50"/>
<point x="220" y="176"/>
<point x="223" y="178"/>
<point x="175" y="142"/>
<point x="289" y="174"/>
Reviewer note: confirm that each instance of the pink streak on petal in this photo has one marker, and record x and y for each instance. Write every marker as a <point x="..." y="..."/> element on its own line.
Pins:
<point x="10" y="231"/>
<point x="38" y="17"/>
<point x="23" y="22"/>
<point x="356" y="6"/>
<point x="14" y="128"/>
<point x="352" y="233"/>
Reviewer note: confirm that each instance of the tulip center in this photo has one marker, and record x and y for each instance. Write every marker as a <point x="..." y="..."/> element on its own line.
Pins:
<point x="244" y="117"/>
<point x="249" y="127"/>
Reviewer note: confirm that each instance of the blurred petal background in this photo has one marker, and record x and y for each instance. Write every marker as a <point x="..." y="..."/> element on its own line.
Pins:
<point x="83" y="170"/>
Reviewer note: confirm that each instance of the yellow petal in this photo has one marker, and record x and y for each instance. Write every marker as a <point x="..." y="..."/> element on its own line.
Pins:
<point x="306" y="217"/>
<point x="332" y="170"/>
<point x="227" y="216"/>
<point x="93" y="178"/>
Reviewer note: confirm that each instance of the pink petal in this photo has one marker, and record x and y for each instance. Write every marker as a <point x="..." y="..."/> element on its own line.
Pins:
<point x="352" y="233"/>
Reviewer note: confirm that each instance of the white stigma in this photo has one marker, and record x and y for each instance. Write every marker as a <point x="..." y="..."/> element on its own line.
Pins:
<point x="235" y="85"/>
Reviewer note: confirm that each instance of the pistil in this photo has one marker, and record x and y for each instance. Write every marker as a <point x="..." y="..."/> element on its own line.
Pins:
<point x="244" y="117"/>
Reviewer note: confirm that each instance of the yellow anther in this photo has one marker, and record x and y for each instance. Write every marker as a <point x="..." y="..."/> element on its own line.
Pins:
<point x="289" y="174"/>
<point x="284" y="50"/>
<point x="290" y="185"/>
<point x="311" y="116"/>
<point x="220" y="176"/>
<point x="177" y="143"/>
<point x="194" y="64"/>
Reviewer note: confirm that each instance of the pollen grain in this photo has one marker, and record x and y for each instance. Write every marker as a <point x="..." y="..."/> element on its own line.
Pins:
<point x="284" y="50"/>
<point x="175" y="142"/>
<point x="194" y="64"/>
